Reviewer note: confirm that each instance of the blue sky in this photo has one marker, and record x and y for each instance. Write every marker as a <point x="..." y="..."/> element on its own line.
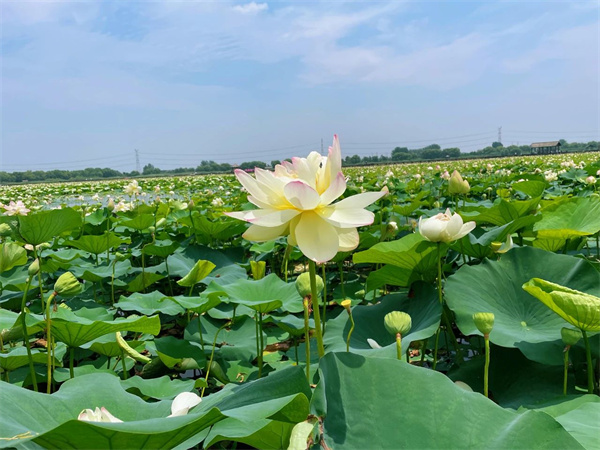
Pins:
<point x="84" y="83"/>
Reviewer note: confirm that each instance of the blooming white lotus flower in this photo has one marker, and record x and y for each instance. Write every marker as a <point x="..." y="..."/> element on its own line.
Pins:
<point x="97" y="415"/>
<point x="183" y="403"/>
<point x="296" y="201"/>
<point x="444" y="227"/>
<point x="15" y="209"/>
<point x="132" y="188"/>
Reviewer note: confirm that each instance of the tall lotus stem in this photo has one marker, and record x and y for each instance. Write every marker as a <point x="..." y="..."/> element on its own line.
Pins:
<point x="306" y="336"/>
<point x="569" y="337"/>
<point x="324" y="275"/>
<point x="26" y="335"/>
<point x="399" y="346"/>
<point x="71" y="361"/>
<point x="212" y="353"/>
<point x="346" y="304"/>
<point x="566" y="368"/>
<point x="486" y="369"/>
<point x="315" y="306"/>
<point x="485" y="323"/>
<point x="590" y="367"/>
<point x="49" y="341"/>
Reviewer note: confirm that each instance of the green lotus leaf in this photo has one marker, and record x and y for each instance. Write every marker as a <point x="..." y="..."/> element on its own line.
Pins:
<point x="423" y="307"/>
<point x="96" y="244"/>
<point x="17" y="357"/>
<point x="351" y="384"/>
<point x="409" y="259"/>
<point x="495" y="286"/>
<point x="197" y="273"/>
<point x="174" y="352"/>
<point x="162" y="388"/>
<point x="578" y="308"/>
<point x="199" y="304"/>
<point x="265" y="295"/>
<point x="566" y="220"/>
<point x="11" y="255"/>
<point x="140" y="222"/>
<point x="161" y="249"/>
<point x="75" y="330"/>
<point x="151" y="303"/>
<point x="42" y="226"/>
<point x="143" y="280"/>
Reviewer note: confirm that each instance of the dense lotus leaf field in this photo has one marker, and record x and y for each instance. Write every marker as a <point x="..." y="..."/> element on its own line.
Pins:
<point x="464" y="313"/>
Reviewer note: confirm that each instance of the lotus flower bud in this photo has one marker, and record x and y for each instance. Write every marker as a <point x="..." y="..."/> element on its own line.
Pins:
<point x="456" y="184"/>
<point x="484" y="322"/>
<point x="397" y="322"/>
<point x="258" y="269"/>
<point x="463" y="385"/>
<point x="34" y="268"/>
<point x="570" y="336"/>
<point x="111" y="204"/>
<point x="303" y="284"/>
<point x="161" y="222"/>
<point x="67" y="285"/>
<point x="191" y="205"/>
<point x="120" y="256"/>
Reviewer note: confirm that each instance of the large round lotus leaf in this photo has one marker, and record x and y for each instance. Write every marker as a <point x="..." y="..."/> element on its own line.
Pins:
<point x="51" y="420"/>
<point x="495" y="286"/>
<point x="422" y="305"/>
<point x="389" y="404"/>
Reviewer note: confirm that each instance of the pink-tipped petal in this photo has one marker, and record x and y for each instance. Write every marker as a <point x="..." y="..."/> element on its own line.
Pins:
<point x="346" y="217"/>
<point x="361" y="200"/>
<point x="335" y="189"/>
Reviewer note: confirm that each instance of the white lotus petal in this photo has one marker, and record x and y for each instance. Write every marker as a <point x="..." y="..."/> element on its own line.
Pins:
<point x="335" y="189"/>
<point x="346" y="218"/>
<point x="183" y="402"/>
<point x="251" y="185"/>
<point x="301" y="195"/>
<point x="373" y="343"/>
<point x="453" y="226"/>
<point x="261" y="234"/>
<point x="317" y="239"/>
<point x="466" y="229"/>
<point x="349" y="239"/>
<point x="361" y="200"/>
<point x="271" y="217"/>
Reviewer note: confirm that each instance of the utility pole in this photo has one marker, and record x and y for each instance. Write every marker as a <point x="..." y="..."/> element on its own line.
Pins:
<point x="137" y="160"/>
<point x="500" y="134"/>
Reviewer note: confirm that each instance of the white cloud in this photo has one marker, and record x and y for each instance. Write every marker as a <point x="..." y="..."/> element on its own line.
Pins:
<point x="251" y="8"/>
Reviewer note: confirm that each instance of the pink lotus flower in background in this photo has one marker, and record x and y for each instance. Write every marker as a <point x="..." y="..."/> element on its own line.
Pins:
<point x="296" y="201"/>
<point x="15" y="209"/>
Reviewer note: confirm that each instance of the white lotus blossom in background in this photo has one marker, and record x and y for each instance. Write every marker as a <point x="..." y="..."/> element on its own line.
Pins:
<point x="296" y="201"/>
<point x="132" y="188"/>
<point x="590" y="180"/>
<point x="97" y="415"/>
<point x="15" y="209"/>
<point x="444" y="227"/>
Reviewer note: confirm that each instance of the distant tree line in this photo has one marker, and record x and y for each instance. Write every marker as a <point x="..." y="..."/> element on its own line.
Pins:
<point x="398" y="154"/>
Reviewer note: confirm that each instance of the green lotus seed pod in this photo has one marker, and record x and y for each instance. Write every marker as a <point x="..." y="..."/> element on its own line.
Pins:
<point x="346" y="303"/>
<point x="258" y="269"/>
<point x="120" y="256"/>
<point x="151" y="230"/>
<point x="397" y="322"/>
<point x="484" y="322"/>
<point x="67" y="285"/>
<point x="34" y="268"/>
<point x="570" y="336"/>
<point x="303" y="284"/>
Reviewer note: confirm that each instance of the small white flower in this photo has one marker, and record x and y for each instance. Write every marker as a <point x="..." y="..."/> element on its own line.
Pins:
<point x="590" y="180"/>
<point x="217" y="201"/>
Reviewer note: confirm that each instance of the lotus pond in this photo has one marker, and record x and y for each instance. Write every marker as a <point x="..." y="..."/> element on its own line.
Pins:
<point x="396" y="307"/>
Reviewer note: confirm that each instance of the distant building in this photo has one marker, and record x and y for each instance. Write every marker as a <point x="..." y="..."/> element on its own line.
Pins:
<point x="545" y="148"/>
